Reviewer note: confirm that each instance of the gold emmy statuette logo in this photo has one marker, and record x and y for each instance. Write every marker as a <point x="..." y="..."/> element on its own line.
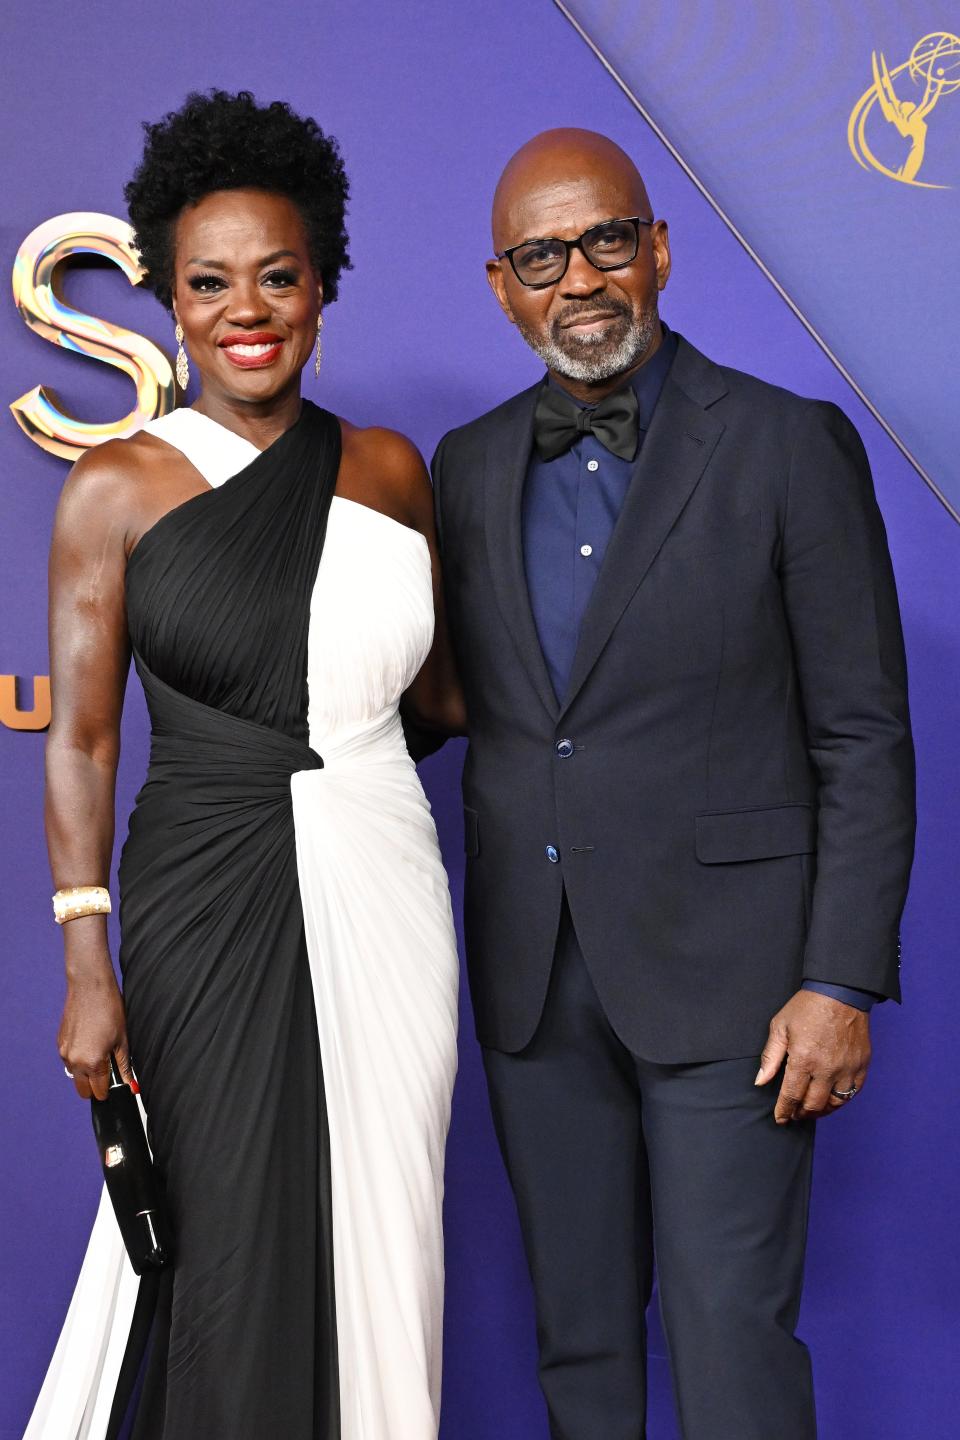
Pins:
<point x="36" y="292"/>
<point x="932" y="70"/>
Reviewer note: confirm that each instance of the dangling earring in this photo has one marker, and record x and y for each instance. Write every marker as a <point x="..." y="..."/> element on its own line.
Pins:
<point x="183" y="368"/>
<point x="319" y="360"/>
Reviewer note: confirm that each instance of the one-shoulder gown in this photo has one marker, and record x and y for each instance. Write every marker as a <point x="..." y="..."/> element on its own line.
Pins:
<point x="289" y="971"/>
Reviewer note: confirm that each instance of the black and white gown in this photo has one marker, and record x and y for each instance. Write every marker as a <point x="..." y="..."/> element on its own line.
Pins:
<point x="290" y="975"/>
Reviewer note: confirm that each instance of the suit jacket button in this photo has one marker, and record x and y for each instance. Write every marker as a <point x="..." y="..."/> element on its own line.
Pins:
<point x="552" y="855"/>
<point x="565" y="749"/>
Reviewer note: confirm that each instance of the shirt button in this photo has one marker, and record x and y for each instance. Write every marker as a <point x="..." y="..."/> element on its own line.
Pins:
<point x="593" y="465"/>
<point x="565" y="749"/>
<point x="586" y="550"/>
<point x="552" y="855"/>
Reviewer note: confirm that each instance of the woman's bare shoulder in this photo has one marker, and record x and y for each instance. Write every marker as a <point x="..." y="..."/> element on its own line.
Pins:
<point x="387" y="468"/>
<point x="108" y="472"/>
<point x="390" y="450"/>
<point x="116" y="489"/>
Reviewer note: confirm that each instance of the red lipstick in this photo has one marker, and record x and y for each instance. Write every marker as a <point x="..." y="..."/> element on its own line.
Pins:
<point x="251" y="349"/>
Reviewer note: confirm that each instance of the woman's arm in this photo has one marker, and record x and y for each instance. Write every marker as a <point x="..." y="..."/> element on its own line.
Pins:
<point x="435" y="699"/>
<point x="89" y="660"/>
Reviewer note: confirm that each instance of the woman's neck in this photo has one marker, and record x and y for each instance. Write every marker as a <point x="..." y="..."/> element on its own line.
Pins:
<point x="260" y="422"/>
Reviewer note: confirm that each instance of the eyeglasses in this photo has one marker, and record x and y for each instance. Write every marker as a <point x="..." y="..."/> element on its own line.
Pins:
<point x="607" y="246"/>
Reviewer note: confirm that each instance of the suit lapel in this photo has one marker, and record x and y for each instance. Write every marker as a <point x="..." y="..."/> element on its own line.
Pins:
<point x="505" y="472"/>
<point x="674" y="455"/>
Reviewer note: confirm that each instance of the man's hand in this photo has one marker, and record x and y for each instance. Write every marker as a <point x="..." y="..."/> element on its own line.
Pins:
<point x="827" y="1047"/>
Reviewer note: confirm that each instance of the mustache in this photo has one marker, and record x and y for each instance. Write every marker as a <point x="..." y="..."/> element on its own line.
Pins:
<point x="591" y="306"/>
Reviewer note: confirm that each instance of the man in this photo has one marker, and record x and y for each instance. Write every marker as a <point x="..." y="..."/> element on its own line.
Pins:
<point x="689" y="808"/>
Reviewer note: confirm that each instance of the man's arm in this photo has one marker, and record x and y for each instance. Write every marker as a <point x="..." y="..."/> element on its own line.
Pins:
<point x="422" y="740"/>
<point x="841" y="607"/>
<point x="436" y="467"/>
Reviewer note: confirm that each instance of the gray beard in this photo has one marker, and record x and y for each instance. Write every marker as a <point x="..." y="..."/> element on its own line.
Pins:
<point x="592" y="358"/>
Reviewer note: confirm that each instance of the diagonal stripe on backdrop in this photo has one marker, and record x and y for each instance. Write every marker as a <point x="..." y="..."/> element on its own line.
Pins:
<point x="828" y="140"/>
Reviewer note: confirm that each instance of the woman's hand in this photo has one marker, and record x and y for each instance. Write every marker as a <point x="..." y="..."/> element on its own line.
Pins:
<point x="93" y="1027"/>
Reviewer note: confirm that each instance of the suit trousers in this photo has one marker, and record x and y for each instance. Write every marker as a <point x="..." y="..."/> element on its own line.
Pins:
<point x="613" y="1159"/>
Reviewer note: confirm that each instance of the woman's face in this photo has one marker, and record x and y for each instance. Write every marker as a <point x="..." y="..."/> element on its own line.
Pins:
<point x="246" y="294"/>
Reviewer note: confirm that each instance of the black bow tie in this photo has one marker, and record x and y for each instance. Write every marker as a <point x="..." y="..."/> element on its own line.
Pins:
<point x="558" y="423"/>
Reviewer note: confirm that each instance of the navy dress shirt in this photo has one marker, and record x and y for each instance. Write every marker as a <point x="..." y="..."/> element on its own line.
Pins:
<point x="571" y="505"/>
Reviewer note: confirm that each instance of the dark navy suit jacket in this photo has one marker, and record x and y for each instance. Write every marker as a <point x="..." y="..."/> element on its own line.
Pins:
<point x="725" y="789"/>
<point x="571" y="505"/>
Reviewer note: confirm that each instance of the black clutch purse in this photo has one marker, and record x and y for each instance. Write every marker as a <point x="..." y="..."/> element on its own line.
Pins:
<point x="130" y="1177"/>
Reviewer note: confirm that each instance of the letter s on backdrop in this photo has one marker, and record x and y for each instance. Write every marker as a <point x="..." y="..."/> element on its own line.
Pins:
<point x="37" y="296"/>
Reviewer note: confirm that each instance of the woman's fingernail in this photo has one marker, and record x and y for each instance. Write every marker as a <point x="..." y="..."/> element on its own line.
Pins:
<point x="134" y="1087"/>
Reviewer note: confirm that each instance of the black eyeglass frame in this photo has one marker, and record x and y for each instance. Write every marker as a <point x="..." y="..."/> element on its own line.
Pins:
<point x="635" y="220"/>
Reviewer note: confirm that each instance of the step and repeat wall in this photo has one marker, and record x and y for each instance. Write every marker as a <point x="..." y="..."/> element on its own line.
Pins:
<point x="808" y="159"/>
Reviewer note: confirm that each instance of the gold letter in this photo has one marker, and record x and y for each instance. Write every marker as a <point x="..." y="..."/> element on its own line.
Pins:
<point x="36" y="292"/>
<point x="11" y="714"/>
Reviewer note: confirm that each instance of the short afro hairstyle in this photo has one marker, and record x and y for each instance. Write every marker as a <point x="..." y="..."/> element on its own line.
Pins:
<point x="220" y="141"/>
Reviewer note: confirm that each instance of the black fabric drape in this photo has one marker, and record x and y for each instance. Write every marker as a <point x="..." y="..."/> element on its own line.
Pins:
<point x="216" y="980"/>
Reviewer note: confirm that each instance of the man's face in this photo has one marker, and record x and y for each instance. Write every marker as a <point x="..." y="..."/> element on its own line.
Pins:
<point x="592" y="324"/>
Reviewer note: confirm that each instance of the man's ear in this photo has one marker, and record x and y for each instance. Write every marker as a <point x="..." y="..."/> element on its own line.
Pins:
<point x="660" y="237"/>
<point x="499" y="288"/>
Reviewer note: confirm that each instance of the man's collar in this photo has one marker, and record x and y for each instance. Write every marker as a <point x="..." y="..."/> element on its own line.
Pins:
<point x="647" y="382"/>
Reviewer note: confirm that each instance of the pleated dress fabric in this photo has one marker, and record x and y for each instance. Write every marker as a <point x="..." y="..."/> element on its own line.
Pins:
<point x="290" y="976"/>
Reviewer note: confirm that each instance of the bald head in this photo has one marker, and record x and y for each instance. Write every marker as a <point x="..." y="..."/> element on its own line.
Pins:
<point x="546" y="175"/>
<point x="596" y="320"/>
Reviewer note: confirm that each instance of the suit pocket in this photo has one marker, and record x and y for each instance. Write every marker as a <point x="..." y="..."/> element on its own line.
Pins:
<point x="725" y="836"/>
<point x="471" y="831"/>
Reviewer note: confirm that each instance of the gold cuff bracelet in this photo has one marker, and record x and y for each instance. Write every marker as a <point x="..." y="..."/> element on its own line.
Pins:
<point x="80" y="900"/>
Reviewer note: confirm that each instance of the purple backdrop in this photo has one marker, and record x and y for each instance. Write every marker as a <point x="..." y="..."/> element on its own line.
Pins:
<point x="428" y="100"/>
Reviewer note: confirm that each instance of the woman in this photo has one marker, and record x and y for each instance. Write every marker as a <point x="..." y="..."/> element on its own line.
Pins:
<point x="288" y="957"/>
